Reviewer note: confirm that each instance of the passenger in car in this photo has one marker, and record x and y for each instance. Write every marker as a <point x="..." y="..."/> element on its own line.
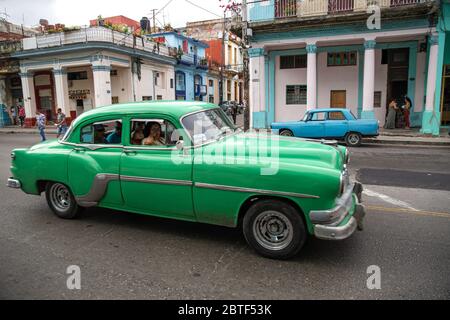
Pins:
<point x="154" y="137"/>
<point x="138" y="134"/>
<point x="116" y="136"/>
<point x="99" y="134"/>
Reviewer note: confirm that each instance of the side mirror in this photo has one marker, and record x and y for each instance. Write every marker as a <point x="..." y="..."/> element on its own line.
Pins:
<point x="180" y="144"/>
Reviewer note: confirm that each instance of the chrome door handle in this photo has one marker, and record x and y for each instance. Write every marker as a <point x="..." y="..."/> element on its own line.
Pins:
<point x="130" y="152"/>
<point x="80" y="149"/>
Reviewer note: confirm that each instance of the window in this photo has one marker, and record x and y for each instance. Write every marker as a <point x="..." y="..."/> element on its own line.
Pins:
<point x="336" y="115"/>
<point x="211" y="99"/>
<point x="115" y="100"/>
<point x="211" y="83"/>
<point x="147" y="98"/>
<point x="180" y="81"/>
<point x="318" y="116"/>
<point x="296" y="94"/>
<point x="336" y="59"/>
<point x="153" y="133"/>
<point x="377" y="99"/>
<point x="158" y="97"/>
<point x="114" y="73"/>
<point x="82" y="75"/>
<point x="106" y="132"/>
<point x="171" y="83"/>
<point x="293" y="62"/>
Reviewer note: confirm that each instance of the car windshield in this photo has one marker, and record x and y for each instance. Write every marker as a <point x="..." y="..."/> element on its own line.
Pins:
<point x="207" y="126"/>
<point x="305" y="117"/>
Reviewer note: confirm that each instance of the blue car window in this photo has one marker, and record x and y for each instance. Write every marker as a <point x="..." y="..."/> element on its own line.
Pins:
<point x="319" y="116"/>
<point x="336" y="115"/>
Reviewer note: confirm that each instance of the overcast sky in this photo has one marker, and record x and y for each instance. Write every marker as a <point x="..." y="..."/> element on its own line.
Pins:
<point x="79" y="12"/>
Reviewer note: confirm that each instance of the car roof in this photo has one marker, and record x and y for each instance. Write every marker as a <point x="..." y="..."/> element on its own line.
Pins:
<point x="328" y="110"/>
<point x="176" y="109"/>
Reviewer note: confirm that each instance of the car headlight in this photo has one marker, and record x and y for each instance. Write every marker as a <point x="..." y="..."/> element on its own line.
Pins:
<point x="347" y="157"/>
<point x="344" y="182"/>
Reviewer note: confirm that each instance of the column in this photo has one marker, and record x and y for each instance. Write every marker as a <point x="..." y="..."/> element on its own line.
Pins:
<point x="4" y="115"/>
<point x="102" y="83"/>
<point x="311" y="79"/>
<point x="29" y="98"/>
<point x="257" y="88"/>
<point x="369" y="80"/>
<point x="431" y="119"/>
<point x="62" y="91"/>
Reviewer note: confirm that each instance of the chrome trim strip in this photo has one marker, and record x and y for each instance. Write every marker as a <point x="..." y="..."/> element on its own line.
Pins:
<point x="92" y="147"/>
<point x="258" y="191"/>
<point x="157" y="181"/>
<point x="144" y="148"/>
<point x="97" y="191"/>
<point x="13" y="183"/>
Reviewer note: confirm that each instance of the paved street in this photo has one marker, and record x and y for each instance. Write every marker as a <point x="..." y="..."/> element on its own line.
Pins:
<point x="129" y="256"/>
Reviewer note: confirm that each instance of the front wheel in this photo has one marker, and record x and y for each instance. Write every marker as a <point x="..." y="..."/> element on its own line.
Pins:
<point x="353" y="139"/>
<point x="286" y="133"/>
<point x="274" y="229"/>
<point x="61" y="200"/>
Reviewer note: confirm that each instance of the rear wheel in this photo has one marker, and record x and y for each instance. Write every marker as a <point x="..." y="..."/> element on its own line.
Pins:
<point x="286" y="133"/>
<point x="274" y="229"/>
<point x="353" y="139"/>
<point x="61" y="200"/>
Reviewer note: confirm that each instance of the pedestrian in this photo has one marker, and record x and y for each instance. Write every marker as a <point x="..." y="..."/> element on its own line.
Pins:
<point x="40" y="123"/>
<point x="407" y="112"/>
<point x="13" y="115"/>
<point x="391" y="116"/>
<point x="61" y="123"/>
<point x="234" y="111"/>
<point x="22" y="116"/>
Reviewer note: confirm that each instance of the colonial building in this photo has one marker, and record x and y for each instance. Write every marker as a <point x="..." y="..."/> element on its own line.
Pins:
<point x="191" y="68"/>
<point x="85" y="68"/>
<point x="308" y="54"/>
<point x="224" y="58"/>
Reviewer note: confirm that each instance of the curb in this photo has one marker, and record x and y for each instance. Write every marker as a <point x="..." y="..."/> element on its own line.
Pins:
<point x="408" y="142"/>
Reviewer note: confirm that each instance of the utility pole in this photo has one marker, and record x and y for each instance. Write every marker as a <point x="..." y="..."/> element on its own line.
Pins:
<point x="245" y="59"/>
<point x="222" y="67"/>
<point x="154" y="21"/>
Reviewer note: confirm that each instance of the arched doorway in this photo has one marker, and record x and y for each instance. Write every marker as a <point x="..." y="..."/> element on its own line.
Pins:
<point x="180" y="85"/>
<point x="198" y="82"/>
<point x="44" y="90"/>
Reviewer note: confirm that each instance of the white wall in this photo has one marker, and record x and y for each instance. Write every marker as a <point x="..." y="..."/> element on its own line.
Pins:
<point x="420" y="82"/>
<point x="381" y="73"/>
<point x="337" y="78"/>
<point x="283" y="78"/>
<point x="82" y="85"/>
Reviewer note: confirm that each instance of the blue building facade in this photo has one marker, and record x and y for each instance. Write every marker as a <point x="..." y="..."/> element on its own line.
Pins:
<point x="331" y="53"/>
<point x="192" y="67"/>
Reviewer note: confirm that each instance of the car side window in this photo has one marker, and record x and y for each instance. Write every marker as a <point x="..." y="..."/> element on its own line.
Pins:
<point x="318" y="116"/>
<point x="105" y="132"/>
<point x="336" y="115"/>
<point x="153" y="132"/>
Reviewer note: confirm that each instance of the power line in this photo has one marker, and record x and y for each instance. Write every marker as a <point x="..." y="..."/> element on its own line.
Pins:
<point x="196" y="5"/>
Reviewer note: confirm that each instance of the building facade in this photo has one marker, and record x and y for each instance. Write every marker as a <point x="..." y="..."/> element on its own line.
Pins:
<point x="309" y="54"/>
<point x="224" y="58"/>
<point x="92" y="67"/>
<point x="191" y="68"/>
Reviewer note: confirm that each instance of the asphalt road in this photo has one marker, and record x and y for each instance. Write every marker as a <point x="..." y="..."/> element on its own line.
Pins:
<point x="126" y="256"/>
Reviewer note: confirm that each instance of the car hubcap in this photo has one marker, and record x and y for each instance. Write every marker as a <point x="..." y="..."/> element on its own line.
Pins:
<point x="60" y="197"/>
<point x="273" y="230"/>
<point x="286" y="134"/>
<point x="354" y="139"/>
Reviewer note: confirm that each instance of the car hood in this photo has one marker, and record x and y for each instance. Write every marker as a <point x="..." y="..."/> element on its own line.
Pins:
<point x="286" y="149"/>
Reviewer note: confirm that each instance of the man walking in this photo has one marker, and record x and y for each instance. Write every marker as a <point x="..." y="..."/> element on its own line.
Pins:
<point x="22" y="116"/>
<point x="40" y="123"/>
<point x="61" y="123"/>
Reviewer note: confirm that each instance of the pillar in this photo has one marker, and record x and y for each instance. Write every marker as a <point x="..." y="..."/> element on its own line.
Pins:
<point x="311" y="78"/>
<point x="257" y="88"/>
<point x="369" y="80"/>
<point x="102" y="83"/>
<point x="62" y="91"/>
<point x="29" y="98"/>
<point x="431" y="118"/>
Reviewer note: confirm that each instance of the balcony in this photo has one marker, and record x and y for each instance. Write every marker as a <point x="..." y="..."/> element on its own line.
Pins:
<point x="93" y="34"/>
<point x="269" y="10"/>
<point x="188" y="59"/>
<point x="7" y="47"/>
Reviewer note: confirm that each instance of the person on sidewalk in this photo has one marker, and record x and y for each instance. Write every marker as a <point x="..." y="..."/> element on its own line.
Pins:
<point x="61" y="123"/>
<point x="40" y="123"/>
<point x="392" y="114"/>
<point x="22" y="116"/>
<point x="13" y="115"/>
<point x="407" y="112"/>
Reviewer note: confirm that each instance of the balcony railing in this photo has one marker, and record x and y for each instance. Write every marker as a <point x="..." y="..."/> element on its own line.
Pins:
<point x="266" y="10"/>
<point x="10" y="46"/>
<point x="285" y="8"/>
<point x="188" y="58"/>
<point x="93" y="34"/>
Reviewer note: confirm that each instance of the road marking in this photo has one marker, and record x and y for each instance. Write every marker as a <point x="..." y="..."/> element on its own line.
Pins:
<point x="415" y="212"/>
<point x="390" y="200"/>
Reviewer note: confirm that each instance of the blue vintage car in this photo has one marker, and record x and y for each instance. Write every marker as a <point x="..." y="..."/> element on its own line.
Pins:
<point x="338" y="124"/>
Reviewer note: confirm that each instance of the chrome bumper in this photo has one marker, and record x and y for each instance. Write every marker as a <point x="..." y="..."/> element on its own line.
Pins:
<point x="327" y="223"/>
<point x="13" y="183"/>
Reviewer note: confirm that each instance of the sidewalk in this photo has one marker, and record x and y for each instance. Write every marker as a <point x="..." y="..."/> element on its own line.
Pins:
<point x="397" y="136"/>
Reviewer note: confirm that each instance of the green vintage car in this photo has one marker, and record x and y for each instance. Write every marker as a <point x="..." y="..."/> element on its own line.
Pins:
<point x="187" y="161"/>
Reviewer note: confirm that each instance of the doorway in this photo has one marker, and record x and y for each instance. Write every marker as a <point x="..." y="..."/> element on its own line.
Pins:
<point x="445" y="100"/>
<point x="398" y="73"/>
<point x="338" y="99"/>
<point x="43" y="86"/>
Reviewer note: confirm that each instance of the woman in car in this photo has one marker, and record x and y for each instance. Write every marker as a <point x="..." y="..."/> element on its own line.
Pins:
<point x="154" y="137"/>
